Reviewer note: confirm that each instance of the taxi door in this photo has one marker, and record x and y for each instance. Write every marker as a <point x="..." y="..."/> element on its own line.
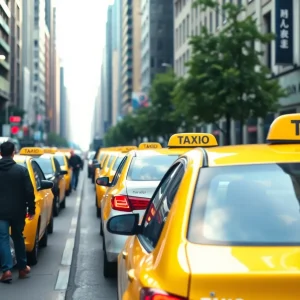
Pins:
<point x="43" y="198"/>
<point x="138" y="251"/>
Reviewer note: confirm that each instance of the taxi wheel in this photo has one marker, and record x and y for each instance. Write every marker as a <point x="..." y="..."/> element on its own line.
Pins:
<point x="44" y="240"/>
<point x="63" y="203"/>
<point x="56" y="206"/>
<point x="50" y="225"/>
<point x="32" y="256"/>
<point x="101" y="228"/>
<point x="109" y="268"/>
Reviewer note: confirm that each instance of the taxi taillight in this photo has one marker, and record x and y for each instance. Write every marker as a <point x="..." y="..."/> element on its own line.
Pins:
<point x="27" y="215"/>
<point x="154" y="294"/>
<point x="128" y="203"/>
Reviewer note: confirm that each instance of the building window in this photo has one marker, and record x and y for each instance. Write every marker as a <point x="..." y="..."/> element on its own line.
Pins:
<point x="36" y="77"/>
<point x="159" y="44"/>
<point x="223" y="13"/>
<point x="152" y="62"/>
<point x="36" y="43"/>
<point x="210" y="22"/>
<point x="217" y="17"/>
<point x="188" y="25"/>
<point x="36" y="65"/>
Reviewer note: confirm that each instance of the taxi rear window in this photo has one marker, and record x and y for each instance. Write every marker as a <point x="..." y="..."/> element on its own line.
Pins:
<point x="45" y="164"/>
<point x="247" y="205"/>
<point x="150" y="168"/>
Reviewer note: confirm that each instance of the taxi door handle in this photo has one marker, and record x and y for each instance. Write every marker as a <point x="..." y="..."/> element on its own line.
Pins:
<point x="130" y="275"/>
<point x="124" y="254"/>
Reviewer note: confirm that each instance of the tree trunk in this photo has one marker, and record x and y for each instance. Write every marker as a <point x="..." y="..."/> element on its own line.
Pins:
<point x="228" y="130"/>
<point x="241" y="131"/>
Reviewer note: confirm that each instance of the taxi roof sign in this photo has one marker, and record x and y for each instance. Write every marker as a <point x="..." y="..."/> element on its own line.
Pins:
<point x="192" y="140"/>
<point x="32" y="151"/>
<point x="50" y="150"/>
<point x="285" y="130"/>
<point x="148" y="146"/>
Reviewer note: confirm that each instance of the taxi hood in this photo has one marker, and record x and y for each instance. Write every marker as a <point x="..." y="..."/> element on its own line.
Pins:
<point x="269" y="271"/>
<point x="6" y="163"/>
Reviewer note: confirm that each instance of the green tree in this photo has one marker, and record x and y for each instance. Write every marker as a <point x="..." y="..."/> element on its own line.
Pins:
<point x="226" y="77"/>
<point x="56" y="140"/>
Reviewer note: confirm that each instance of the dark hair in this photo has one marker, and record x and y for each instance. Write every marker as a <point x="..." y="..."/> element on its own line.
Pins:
<point x="7" y="149"/>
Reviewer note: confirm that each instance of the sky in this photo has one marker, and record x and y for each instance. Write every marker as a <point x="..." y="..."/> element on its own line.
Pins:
<point x="80" y="40"/>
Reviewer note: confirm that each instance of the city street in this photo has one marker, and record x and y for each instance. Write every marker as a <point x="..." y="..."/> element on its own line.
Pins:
<point x="49" y="278"/>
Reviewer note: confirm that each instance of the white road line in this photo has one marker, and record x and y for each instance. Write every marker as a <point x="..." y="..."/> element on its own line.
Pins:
<point x="68" y="252"/>
<point x="62" y="279"/>
<point x="64" y="271"/>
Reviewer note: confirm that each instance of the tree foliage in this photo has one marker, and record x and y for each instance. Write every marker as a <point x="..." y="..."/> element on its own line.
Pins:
<point x="55" y="140"/>
<point x="226" y="77"/>
<point x="159" y="119"/>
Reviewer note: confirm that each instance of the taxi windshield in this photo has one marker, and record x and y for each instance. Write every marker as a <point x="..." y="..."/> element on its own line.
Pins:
<point x="247" y="205"/>
<point x="117" y="163"/>
<point x="60" y="160"/>
<point x="150" y="168"/>
<point x="45" y="164"/>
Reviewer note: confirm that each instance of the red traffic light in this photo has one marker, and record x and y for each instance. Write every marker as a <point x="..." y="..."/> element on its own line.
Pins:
<point x="14" y="119"/>
<point x="14" y="129"/>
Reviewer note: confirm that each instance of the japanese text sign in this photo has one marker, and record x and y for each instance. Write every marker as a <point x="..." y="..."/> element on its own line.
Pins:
<point x="284" y="32"/>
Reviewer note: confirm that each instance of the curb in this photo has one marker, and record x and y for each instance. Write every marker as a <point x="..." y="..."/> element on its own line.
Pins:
<point x="62" y="280"/>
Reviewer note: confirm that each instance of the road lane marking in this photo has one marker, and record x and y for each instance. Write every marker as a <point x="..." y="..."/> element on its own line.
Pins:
<point x="66" y="262"/>
<point x="62" y="279"/>
<point x="68" y="252"/>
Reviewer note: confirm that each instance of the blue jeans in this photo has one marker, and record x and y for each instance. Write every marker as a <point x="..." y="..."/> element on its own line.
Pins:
<point x="75" y="177"/>
<point x="17" y="228"/>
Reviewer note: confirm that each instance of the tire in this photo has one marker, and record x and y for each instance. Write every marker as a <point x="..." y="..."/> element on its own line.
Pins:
<point x="44" y="240"/>
<point x="32" y="257"/>
<point x="101" y="228"/>
<point x="63" y="203"/>
<point x="50" y="225"/>
<point x="56" y="206"/>
<point x="109" y="268"/>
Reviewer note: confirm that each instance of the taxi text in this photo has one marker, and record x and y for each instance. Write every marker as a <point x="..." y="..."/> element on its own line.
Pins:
<point x="191" y="140"/>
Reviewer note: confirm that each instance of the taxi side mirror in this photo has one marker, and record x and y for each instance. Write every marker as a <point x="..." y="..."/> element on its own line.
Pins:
<point x="63" y="172"/>
<point x="103" y="181"/>
<point x="46" y="184"/>
<point x="124" y="224"/>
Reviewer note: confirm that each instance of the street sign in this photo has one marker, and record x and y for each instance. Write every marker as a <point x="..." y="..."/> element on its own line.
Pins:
<point x="14" y="119"/>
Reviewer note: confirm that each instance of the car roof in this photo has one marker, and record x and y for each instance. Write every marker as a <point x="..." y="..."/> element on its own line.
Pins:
<point x="21" y="158"/>
<point x="161" y="151"/>
<point x="250" y="154"/>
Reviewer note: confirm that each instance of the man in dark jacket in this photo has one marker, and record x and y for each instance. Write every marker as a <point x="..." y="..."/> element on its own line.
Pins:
<point x="76" y="164"/>
<point x="16" y="196"/>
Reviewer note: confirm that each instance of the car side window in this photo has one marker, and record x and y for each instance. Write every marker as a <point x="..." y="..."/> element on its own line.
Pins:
<point x="119" y="171"/>
<point x="38" y="174"/>
<point x="57" y="165"/>
<point x="158" y="210"/>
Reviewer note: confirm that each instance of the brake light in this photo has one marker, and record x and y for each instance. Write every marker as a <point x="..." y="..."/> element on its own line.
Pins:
<point x="154" y="294"/>
<point x="129" y="203"/>
<point x="27" y="215"/>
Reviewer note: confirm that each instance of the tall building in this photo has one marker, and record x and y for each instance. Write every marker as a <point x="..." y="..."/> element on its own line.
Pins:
<point x="5" y="15"/>
<point x="63" y="104"/>
<point x="131" y="55"/>
<point x="16" y="53"/>
<point x="57" y="93"/>
<point x="39" y="68"/>
<point x="116" y="60"/>
<point x="49" y="113"/>
<point x="156" y="39"/>
<point x="188" y="22"/>
<point x="97" y="124"/>
<point x="27" y="63"/>
<point x="52" y="108"/>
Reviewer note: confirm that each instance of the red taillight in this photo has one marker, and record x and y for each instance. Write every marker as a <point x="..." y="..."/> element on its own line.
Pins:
<point x="27" y="215"/>
<point x="154" y="294"/>
<point x="128" y="203"/>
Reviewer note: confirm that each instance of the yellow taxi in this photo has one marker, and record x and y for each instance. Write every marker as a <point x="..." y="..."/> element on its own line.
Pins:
<point x="36" y="230"/>
<point x="225" y="224"/>
<point x="110" y="165"/>
<point x="64" y="165"/>
<point x="133" y="185"/>
<point x="66" y="151"/>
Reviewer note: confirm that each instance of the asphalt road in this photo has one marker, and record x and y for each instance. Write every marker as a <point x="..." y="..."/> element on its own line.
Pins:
<point x="43" y="279"/>
<point x="86" y="279"/>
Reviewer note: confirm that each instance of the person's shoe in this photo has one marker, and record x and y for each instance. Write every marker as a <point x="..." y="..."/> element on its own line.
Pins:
<point x="6" y="277"/>
<point x="24" y="273"/>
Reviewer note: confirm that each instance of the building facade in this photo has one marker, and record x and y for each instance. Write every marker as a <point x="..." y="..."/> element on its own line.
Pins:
<point x="188" y="21"/>
<point x="49" y="113"/>
<point x="5" y="16"/>
<point x="63" y="104"/>
<point x="157" y="40"/>
<point x="39" y="68"/>
<point x="16" y="53"/>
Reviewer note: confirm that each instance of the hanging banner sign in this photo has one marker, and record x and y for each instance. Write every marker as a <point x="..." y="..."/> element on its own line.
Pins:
<point x="284" y="53"/>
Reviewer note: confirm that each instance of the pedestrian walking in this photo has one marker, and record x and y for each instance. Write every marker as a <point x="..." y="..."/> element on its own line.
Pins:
<point x="76" y="164"/>
<point x="16" y="196"/>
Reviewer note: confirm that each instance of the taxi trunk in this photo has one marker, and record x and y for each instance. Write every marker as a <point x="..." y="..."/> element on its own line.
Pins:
<point x="244" y="273"/>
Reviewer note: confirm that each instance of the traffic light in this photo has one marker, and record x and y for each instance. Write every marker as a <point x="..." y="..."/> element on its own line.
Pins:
<point x="14" y="130"/>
